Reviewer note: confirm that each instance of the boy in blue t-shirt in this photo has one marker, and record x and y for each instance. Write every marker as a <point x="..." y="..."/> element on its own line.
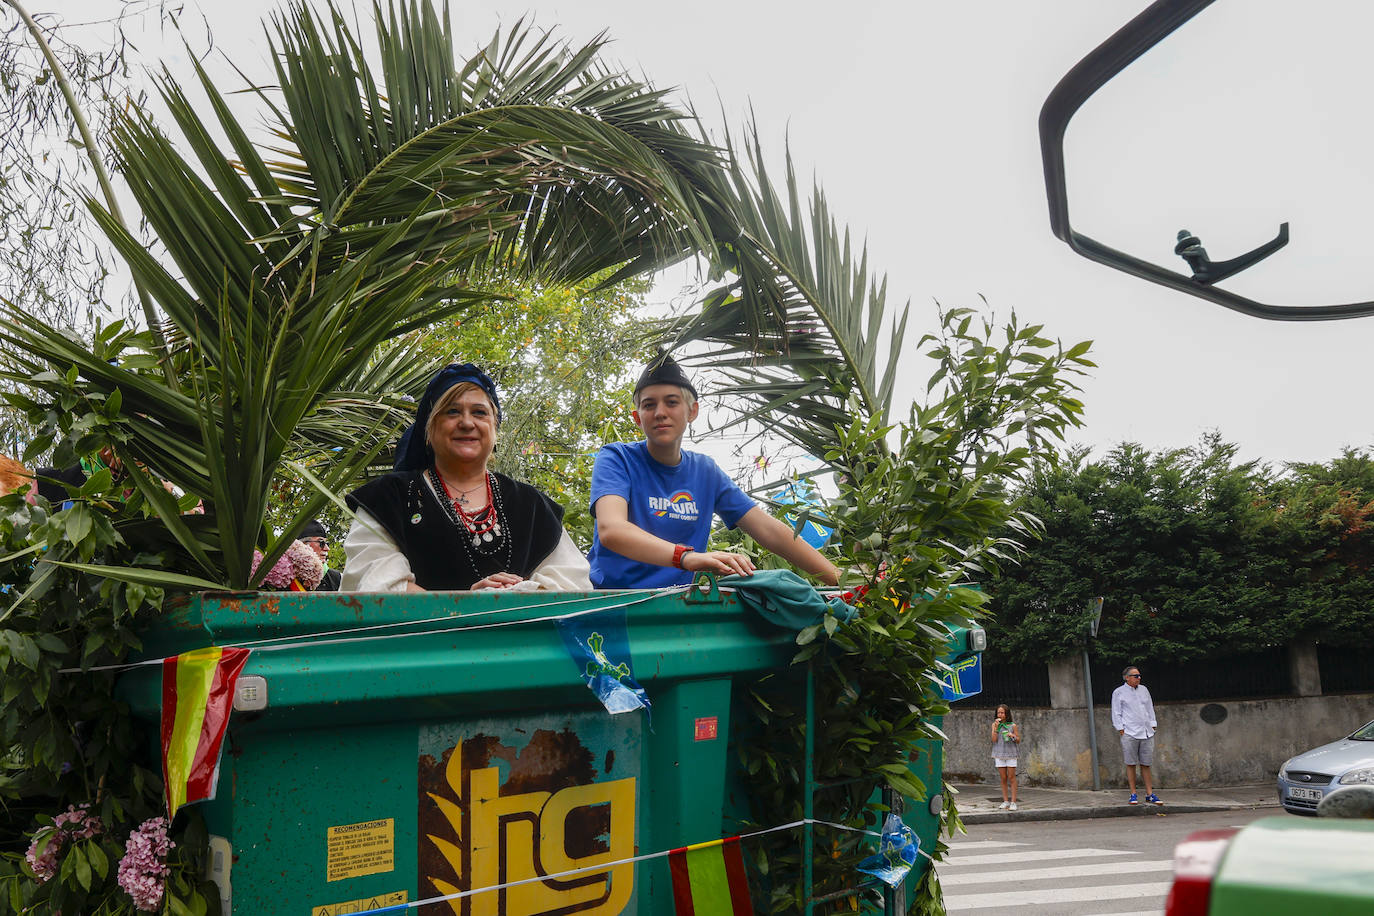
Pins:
<point x="653" y="502"/>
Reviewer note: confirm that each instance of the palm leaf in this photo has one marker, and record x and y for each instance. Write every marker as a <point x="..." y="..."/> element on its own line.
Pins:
<point x="388" y="197"/>
<point x="797" y="334"/>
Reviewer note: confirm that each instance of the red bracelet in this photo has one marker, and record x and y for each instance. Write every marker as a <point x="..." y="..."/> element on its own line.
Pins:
<point x="680" y="551"/>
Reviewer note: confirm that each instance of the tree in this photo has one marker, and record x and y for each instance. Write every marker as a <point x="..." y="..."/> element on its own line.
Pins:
<point x="1198" y="555"/>
<point x="57" y="263"/>
<point x="921" y="521"/>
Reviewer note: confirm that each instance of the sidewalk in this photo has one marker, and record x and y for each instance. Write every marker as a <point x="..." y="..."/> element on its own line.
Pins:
<point x="978" y="803"/>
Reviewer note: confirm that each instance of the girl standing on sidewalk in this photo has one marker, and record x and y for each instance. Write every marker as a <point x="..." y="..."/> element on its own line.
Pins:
<point x="1006" y="735"/>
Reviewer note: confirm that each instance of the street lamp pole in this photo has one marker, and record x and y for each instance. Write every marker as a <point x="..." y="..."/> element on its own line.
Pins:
<point x="1095" y="608"/>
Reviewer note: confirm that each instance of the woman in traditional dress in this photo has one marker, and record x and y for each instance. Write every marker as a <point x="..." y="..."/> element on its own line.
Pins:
<point x="442" y="522"/>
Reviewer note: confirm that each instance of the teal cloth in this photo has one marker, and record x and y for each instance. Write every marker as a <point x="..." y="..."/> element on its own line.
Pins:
<point x="784" y="598"/>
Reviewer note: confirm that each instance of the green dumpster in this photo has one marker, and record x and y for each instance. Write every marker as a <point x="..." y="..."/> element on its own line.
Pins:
<point x="386" y="749"/>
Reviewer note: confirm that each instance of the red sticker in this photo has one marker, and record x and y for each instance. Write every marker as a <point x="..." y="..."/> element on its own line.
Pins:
<point x="706" y="728"/>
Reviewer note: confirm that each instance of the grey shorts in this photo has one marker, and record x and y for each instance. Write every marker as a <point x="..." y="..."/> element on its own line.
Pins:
<point x="1138" y="750"/>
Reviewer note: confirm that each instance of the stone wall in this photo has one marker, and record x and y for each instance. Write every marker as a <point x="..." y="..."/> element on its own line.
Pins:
<point x="1197" y="744"/>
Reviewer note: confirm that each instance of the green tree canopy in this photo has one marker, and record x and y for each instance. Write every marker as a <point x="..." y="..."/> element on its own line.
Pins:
<point x="1196" y="553"/>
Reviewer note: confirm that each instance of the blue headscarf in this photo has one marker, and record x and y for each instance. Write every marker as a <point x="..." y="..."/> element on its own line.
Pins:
<point x="412" y="452"/>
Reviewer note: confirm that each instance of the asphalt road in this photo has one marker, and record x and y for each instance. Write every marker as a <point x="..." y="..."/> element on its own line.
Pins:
<point x="1115" y="865"/>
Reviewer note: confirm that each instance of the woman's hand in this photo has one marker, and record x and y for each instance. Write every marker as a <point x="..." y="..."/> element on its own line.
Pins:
<point x="497" y="580"/>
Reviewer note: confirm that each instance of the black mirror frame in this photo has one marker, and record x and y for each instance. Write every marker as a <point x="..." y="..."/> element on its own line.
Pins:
<point x="1155" y="23"/>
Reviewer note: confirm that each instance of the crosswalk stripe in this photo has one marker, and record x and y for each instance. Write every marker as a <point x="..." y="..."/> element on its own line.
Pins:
<point x="1157" y="912"/>
<point x="1066" y="871"/>
<point x="1022" y="898"/>
<point x="982" y="844"/>
<point x="1008" y="858"/>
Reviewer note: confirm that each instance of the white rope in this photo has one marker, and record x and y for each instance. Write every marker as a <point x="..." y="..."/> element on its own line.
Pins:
<point x="264" y="643"/>
<point x="313" y="640"/>
<point x="607" y="866"/>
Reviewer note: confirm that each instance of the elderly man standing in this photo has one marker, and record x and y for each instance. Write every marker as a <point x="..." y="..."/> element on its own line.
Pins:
<point x="1133" y="714"/>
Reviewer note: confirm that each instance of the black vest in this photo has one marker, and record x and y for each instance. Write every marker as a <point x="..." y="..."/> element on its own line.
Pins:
<point x="440" y="553"/>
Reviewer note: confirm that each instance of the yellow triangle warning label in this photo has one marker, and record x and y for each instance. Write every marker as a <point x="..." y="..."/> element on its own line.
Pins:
<point x="361" y="905"/>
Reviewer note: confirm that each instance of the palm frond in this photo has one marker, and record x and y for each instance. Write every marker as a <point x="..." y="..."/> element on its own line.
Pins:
<point x="798" y="331"/>
<point x="392" y="191"/>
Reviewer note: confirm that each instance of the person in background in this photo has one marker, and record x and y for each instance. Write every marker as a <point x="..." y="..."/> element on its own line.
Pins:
<point x="653" y="501"/>
<point x="1133" y="715"/>
<point x="1006" y="738"/>
<point x="441" y="521"/>
<point x="316" y="538"/>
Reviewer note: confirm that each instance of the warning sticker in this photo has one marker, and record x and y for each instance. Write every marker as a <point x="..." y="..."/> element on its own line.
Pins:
<point x="355" y="850"/>
<point x="361" y="905"/>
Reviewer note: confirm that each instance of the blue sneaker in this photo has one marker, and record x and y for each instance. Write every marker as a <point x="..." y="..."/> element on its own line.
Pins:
<point x="1134" y="800"/>
<point x="1154" y="799"/>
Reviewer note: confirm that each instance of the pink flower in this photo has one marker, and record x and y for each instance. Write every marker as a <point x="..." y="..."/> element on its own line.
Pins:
<point x="143" y="871"/>
<point x="73" y="824"/>
<point x="299" y="562"/>
<point x="306" y="564"/>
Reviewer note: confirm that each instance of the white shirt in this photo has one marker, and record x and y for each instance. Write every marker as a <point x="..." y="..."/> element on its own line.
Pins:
<point x="1134" y="711"/>
<point x="375" y="564"/>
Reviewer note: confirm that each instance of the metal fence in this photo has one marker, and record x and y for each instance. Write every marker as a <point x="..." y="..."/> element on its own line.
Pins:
<point x="1237" y="677"/>
<point x="1345" y="670"/>
<point x="1014" y="684"/>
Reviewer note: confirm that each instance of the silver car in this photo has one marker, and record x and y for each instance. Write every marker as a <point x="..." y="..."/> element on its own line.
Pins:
<point x="1306" y="778"/>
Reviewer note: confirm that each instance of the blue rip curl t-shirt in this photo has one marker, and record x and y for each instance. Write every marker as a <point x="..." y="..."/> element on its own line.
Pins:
<point x="674" y="503"/>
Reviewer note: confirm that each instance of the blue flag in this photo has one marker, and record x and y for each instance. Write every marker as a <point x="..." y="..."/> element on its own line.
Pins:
<point x="803" y="493"/>
<point x="896" y="854"/>
<point x="965" y="679"/>
<point x="599" y="644"/>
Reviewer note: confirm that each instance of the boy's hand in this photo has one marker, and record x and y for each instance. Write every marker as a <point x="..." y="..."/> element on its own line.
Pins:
<point x="718" y="561"/>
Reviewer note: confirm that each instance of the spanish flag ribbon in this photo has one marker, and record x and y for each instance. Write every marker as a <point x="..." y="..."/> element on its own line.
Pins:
<point x="197" y="697"/>
<point x="708" y="879"/>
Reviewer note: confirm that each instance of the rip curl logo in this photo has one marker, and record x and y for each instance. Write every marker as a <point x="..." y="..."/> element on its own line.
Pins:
<point x="681" y="506"/>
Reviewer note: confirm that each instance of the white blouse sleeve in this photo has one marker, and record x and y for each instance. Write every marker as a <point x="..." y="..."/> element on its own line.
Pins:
<point x="374" y="564"/>
<point x="563" y="570"/>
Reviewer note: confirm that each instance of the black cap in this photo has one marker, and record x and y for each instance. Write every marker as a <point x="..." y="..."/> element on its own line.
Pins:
<point x="663" y="370"/>
<point x="312" y="529"/>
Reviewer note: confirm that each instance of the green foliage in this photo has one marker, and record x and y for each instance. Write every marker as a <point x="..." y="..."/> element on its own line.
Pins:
<point x="67" y="609"/>
<point x="1197" y="555"/>
<point x="916" y="524"/>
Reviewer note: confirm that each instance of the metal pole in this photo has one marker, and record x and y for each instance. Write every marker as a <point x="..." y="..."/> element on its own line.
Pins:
<point x="894" y="898"/>
<point x="1092" y="725"/>
<point x="809" y="786"/>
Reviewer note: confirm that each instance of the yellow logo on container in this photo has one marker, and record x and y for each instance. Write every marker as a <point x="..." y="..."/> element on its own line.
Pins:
<point x="491" y="839"/>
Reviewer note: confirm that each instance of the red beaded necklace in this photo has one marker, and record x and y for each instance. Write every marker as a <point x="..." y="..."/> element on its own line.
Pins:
<point x="482" y="525"/>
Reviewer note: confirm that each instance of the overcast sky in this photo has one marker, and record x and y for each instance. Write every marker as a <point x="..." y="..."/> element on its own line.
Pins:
<point x="919" y="119"/>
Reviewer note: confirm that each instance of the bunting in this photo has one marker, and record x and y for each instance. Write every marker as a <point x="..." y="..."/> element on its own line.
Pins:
<point x="599" y="644"/>
<point x="708" y="879"/>
<point x="897" y="849"/>
<point x="197" y="697"/>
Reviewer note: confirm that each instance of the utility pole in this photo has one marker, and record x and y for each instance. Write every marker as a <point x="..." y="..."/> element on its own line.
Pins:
<point x="1094" y="608"/>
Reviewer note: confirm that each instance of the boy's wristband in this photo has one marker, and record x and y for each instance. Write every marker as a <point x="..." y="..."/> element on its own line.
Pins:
<point x="680" y="551"/>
